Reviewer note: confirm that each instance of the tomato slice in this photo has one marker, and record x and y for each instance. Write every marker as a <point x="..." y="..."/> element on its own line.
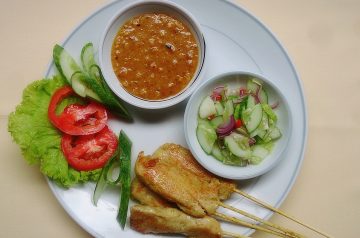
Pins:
<point x="76" y="119"/>
<point x="89" y="152"/>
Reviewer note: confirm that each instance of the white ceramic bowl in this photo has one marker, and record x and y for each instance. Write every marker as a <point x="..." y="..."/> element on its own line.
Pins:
<point x="235" y="80"/>
<point x="135" y="9"/>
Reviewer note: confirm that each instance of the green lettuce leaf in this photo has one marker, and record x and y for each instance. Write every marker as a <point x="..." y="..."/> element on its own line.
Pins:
<point x="39" y="141"/>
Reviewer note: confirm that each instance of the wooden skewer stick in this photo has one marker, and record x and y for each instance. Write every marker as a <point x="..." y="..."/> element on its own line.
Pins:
<point x="288" y="232"/>
<point x="249" y="225"/>
<point x="248" y="196"/>
<point x="230" y="234"/>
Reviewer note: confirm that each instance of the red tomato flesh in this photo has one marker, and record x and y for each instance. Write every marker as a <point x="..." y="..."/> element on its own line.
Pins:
<point x="238" y="123"/>
<point x="89" y="152"/>
<point x="76" y="119"/>
<point x="218" y="97"/>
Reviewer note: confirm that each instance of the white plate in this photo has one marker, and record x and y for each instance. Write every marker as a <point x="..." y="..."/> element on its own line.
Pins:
<point x="235" y="40"/>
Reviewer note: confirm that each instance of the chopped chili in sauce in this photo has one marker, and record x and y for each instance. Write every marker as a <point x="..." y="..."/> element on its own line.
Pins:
<point x="154" y="56"/>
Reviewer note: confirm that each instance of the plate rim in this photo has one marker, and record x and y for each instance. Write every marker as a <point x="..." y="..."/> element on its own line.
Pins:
<point x="243" y="9"/>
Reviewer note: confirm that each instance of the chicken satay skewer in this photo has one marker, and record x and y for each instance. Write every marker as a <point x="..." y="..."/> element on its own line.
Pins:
<point x="248" y="196"/>
<point x="163" y="220"/>
<point x="227" y="188"/>
<point x="184" y="156"/>
<point x="146" y="197"/>
<point x="194" y="190"/>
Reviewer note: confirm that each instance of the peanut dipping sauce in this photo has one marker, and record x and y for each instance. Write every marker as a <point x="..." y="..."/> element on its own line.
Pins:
<point x="154" y="56"/>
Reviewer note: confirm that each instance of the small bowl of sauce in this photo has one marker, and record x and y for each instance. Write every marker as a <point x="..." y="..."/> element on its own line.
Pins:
<point x="152" y="54"/>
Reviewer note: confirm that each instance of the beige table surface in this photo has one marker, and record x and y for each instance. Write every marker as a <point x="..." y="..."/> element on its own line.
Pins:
<point x="322" y="38"/>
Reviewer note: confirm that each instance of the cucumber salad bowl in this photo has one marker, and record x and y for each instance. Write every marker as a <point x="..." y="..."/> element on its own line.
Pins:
<point x="237" y="125"/>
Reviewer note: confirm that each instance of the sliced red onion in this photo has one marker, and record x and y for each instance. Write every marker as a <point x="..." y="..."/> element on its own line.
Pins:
<point x="217" y="92"/>
<point x="275" y="105"/>
<point x="222" y="136"/>
<point x="257" y="99"/>
<point x="227" y="127"/>
<point x="252" y="141"/>
<point x="256" y="96"/>
<point x="243" y="92"/>
<point x="258" y="90"/>
<point x="219" y="89"/>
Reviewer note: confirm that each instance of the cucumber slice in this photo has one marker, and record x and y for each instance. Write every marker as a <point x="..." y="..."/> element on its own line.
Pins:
<point x="97" y="83"/>
<point x="274" y="133"/>
<point x="259" y="151"/>
<point x="253" y="85"/>
<point x="65" y="63"/>
<point x="262" y="128"/>
<point x="207" y="108"/>
<point x="252" y="117"/>
<point x="206" y="136"/>
<point x="90" y="82"/>
<point x="264" y="122"/>
<point x="262" y="134"/>
<point x="231" y="159"/>
<point x="241" y="140"/>
<point x="216" y="152"/>
<point x="258" y="154"/>
<point x="70" y="70"/>
<point x="203" y="121"/>
<point x="219" y="108"/>
<point x="206" y="125"/>
<point x="78" y="80"/>
<point x="87" y="57"/>
<point x="77" y="83"/>
<point x="263" y="97"/>
<point x="258" y="132"/>
<point x="251" y="101"/>
<point x="217" y="121"/>
<point x="229" y="110"/>
<point x="90" y="93"/>
<point x="238" y="145"/>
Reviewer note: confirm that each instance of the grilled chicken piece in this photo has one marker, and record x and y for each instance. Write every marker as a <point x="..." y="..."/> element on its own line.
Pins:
<point x="145" y="196"/>
<point x="173" y="173"/>
<point x="147" y="219"/>
<point x="188" y="162"/>
<point x="150" y="224"/>
<point x="166" y="178"/>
